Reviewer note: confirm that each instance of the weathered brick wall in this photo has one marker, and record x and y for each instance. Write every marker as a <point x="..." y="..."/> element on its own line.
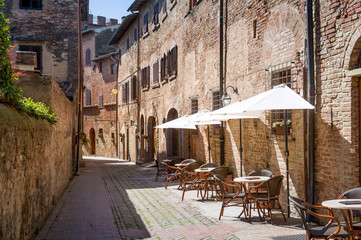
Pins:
<point x="55" y="29"/>
<point x="260" y="34"/>
<point x="337" y="133"/>
<point x="35" y="161"/>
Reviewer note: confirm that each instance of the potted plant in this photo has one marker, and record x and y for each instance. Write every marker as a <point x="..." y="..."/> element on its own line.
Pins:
<point x="83" y="138"/>
<point x="279" y="127"/>
<point x="145" y="136"/>
<point x="137" y="135"/>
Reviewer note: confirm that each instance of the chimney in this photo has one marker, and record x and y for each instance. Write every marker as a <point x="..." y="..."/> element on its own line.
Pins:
<point x="101" y="21"/>
<point x="113" y="21"/>
<point x="90" y="18"/>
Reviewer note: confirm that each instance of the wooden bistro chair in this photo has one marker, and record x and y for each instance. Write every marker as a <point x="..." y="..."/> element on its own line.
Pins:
<point x="261" y="172"/>
<point x="190" y="180"/>
<point x="329" y="231"/>
<point x="354" y="226"/>
<point x="160" y="169"/>
<point x="173" y="173"/>
<point x="232" y="193"/>
<point x="268" y="200"/>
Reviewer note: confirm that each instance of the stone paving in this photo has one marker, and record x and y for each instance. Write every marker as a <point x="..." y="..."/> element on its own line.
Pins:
<point x="119" y="200"/>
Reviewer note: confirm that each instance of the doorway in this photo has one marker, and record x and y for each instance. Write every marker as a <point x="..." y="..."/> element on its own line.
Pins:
<point x="92" y="141"/>
<point x="172" y="135"/>
<point x="152" y="141"/>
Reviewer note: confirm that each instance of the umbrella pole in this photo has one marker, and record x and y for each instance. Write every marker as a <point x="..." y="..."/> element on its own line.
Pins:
<point x="209" y="147"/>
<point x="240" y="146"/>
<point x="189" y="144"/>
<point x="287" y="168"/>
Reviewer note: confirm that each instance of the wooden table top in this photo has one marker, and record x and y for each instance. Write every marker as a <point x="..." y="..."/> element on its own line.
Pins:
<point x="347" y="204"/>
<point x="249" y="179"/>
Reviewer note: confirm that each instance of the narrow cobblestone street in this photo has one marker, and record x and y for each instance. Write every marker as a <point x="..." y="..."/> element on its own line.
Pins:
<point x="119" y="200"/>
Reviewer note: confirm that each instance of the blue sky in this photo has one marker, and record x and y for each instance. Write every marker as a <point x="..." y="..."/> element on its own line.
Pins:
<point x="109" y="8"/>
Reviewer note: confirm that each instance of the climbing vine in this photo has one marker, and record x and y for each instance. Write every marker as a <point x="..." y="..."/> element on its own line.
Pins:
<point x="10" y="93"/>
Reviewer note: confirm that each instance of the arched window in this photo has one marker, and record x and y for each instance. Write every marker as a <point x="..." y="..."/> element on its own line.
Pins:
<point x="87" y="57"/>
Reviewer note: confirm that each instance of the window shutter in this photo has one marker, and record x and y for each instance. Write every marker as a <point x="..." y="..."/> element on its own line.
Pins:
<point x="148" y="76"/>
<point x="123" y="93"/>
<point x="87" y="97"/>
<point x="162" y="69"/>
<point x="100" y="104"/>
<point x="134" y="88"/>
<point x="142" y="78"/>
<point x="156" y="72"/>
<point x="169" y="63"/>
<point x="127" y="92"/>
<point x="174" y="60"/>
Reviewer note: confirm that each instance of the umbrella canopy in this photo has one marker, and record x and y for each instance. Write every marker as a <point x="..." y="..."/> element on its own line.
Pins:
<point x="182" y="122"/>
<point x="280" y="97"/>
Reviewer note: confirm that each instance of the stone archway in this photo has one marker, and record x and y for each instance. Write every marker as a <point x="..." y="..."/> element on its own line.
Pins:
<point x="92" y="141"/>
<point x="172" y="135"/>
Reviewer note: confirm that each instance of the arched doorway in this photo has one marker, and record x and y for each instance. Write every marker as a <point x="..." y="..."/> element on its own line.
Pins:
<point x="142" y="148"/>
<point x="92" y="141"/>
<point x="152" y="140"/>
<point x="172" y="135"/>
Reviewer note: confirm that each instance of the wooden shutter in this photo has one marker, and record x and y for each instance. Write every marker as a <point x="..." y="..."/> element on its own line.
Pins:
<point x="148" y="76"/>
<point x="123" y="93"/>
<point x="162" y="69"/>
<point x="174" y="60"/>
<point x="142" y="78"/>
<point x="87" y="97"/>
<point x="169" y="64"/>
<point x="156" y="72"/>
<point x="134" y="87"/>
<point x="127" y="92"/>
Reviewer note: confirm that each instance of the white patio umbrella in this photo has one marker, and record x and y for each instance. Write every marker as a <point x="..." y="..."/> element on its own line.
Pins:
<point x="280" y="97"/>
<point x="181" y="122"/>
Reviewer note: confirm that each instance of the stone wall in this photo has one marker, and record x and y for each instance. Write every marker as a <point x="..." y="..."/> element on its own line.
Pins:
<point x="55" y="29"/>
<point x="35" y="160"/>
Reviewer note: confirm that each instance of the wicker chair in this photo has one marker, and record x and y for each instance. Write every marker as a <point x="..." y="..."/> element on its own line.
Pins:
<point x="189" y="178"/>
<point x="269" y="199"/>
<point x="355" y="226"/>
<point x="173" y="173"/>
<point x="235" y="197"/>
<point x="160" y="169"/>
<point x="319" y="232"/>
<point x="209" y="165"/>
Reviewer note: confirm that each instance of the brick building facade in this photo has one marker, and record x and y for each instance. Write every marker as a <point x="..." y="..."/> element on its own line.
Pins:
<point x="175" y="63"/>
<point x="99" y="112"/>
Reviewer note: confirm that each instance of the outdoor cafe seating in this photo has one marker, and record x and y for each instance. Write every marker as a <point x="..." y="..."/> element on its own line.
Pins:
<point x="333" y="229"/>
<point x="190" y="179"/>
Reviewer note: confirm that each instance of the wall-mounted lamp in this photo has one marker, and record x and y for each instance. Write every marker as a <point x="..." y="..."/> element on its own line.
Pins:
<point x="226" y="99"/>
<point x="114" y="91"/>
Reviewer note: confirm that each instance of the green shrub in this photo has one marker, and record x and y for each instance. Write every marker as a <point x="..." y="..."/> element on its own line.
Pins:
<point x="10" y="93"/>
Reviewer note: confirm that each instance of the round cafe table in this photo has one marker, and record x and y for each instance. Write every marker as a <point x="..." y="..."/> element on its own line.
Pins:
<point x="203" y="174"/>
<point x="251" y="179"/>
<point x="345" y="206"/>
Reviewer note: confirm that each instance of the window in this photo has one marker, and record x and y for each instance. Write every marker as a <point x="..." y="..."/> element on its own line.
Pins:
<point x="156" y="14"/>
<point x="87" y="97"/>
<point x="134" y="88"/>
<point x="38" y="50"/>
<point x="156" y="72"/>
<point x="216" y="103"/>
<point x="125" y="93"/>
<point x="174" y="60"/>
<point x="145" y="77"/>
<point x="112" y="69"/>
<point x="100" y="67"/>
<point x="31" y="4"/>
<point x="87" y="57"/>
<point x="145" y="23"/>
<point x="254" y="28"/>
<point x="277" y="116"/>
<point x="162" y="68"/>
<point x="128" y="44"/>
<point x="135" y="35"/>
<point x="100" y="103"/>
<point x="194" y="105"/>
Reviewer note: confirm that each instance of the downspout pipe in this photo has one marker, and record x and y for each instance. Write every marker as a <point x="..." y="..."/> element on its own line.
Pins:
<point x="221" y="75"/>
<point x="311" y="99"/>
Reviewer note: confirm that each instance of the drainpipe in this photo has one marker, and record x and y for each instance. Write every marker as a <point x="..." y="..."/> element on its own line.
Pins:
<point x="117" y="57"/>
<point x="80" y="89"/>
<point x="311" y="99"/>
<point x="221" y="138"/>
<point x="138" y="88"/>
